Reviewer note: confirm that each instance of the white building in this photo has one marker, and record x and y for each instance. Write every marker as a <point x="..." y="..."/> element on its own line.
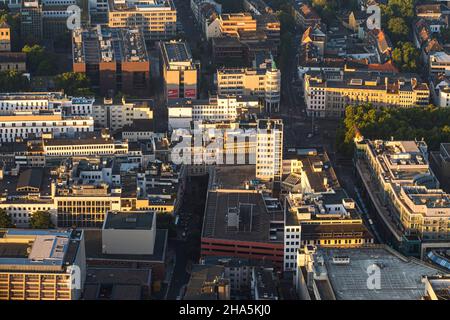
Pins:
<point x="439" y="63"/>
<point x="269" y="149"/>
<point x="92" y="146"/>
<point x="263" y="81"/>
<point x="117" y="116"/>
<point x="23" y="124"/>
<point x="216" y="109"/>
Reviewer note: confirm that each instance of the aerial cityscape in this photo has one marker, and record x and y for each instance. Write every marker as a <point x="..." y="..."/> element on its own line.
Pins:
<point x="233" y="150"/>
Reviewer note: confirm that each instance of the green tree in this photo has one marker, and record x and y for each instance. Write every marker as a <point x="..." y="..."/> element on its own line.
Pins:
<point x="39" y="61"/>
<point x="41" y="220"/>
<point x="12" y="80"/>
<point x="406" y="57"/>
<point x="73" y="83"/>
<point x="398" y="29"/>
<point x="5" y="219"/>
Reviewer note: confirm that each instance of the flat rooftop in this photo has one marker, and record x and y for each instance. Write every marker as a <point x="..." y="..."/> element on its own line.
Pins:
<point x="400" y="277"/>
<point x="103" y="44"/>
<point x="37" y="250"/>
<point x="129" y="220"/>
<point x="93" y="244"/>
<point x="254" y="219"/>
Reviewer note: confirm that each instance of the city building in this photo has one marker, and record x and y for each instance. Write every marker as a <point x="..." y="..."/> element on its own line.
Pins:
<point x="264" y="284"/>
<point x="23" y="125"/>
<point x="342" y="274"/>
<point x="215" y="109"/>
<point x="329" y="97"/>
<point x="269" y="150"/>
<point x="404" y="193"/>
<point x="156" y="18"/>
<point x="114" y="59"/>
<point x="439" y="62"/>
<point x="306" y="16"/>
<point x="5" y="37"/>
<point x="207" y="283"/>
<point x="31" y="24"/>
<point x="179" y="70"/>
<point x="263" y="81"/>
<point x="232" y="23"/>
<point x="116" y="116"/>
<point x="240" y="221"/>
<point x="13" y="61"/>
<point x="42" y="264"/>
<point x="87" y="145"/>
<point x="131" y="232"/>
<point x="440" y="164"/>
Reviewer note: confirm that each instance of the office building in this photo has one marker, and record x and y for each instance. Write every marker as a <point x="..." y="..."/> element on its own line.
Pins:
<point x="263" y="81"/>
<point x="156" y="18"/>
<point x="215" y="109"/>
<point x="31" y="24"/>
<point x="342" y="274"/>
<point x="42" y="264"/>
<point x="179" y="70"/>
<point x="23" y="125"/>
<point x="114" y="59"/>
<point x="232" y="23"/>
<point x="269" y="150"/>
<point x="404" y="193"/>
<point x="240" y="221"/>
<point x="329" y="97"/>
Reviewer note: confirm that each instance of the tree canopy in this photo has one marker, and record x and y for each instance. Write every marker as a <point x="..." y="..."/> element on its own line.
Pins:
<point x="41" y="220"/>
<point x="430" y="123"/>
<point x="5" y="219"/>
<point x="406" y="57"/>
<point x="39" y="61"/>
<point x="73" y="84"/>
<point x="13" y="81"/>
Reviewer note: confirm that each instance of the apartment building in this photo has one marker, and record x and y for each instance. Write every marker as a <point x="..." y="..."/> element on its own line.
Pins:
<point x="269" y="149"/>
<point x="179" y="70"/>
<point x="232" y="23"/>
<point x="114" y="59"/>
<point x="398" y="173"/>
<point x="12" y="102"/>
<point x="263" y="81"/>
<point x="215" y="109"/>
<point x="116" y="116"/>
<point x="156" y="18"/>
<point x="42" y="264"/>
<point x="23" y="125"/>
<point x="329" y="97"/>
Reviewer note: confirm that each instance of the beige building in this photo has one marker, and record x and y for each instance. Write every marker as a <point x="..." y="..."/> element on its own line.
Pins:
<point x="232" y="23"/>
<point x="156" y="18"/>
<point x="329" y="97"/>
<point x="407" y="183"/>
<point x="179" y="70"/>
<point x="263" y="82"/>
<point x="42" y="265"/>
<point x="5" y="37"/>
